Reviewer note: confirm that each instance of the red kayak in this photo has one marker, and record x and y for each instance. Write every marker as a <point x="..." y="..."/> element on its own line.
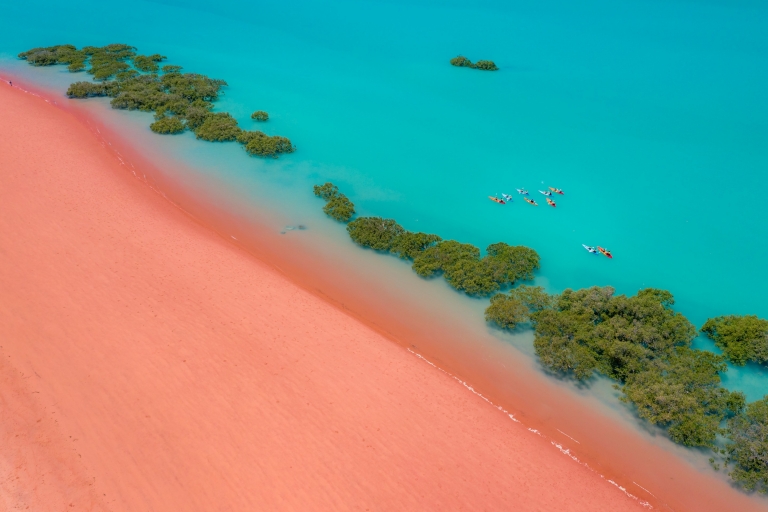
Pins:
<point x="551" y="203"/>
<point x="496" y="200"/>
<point x="605" y="252"/>
<point x="557" y="191"/>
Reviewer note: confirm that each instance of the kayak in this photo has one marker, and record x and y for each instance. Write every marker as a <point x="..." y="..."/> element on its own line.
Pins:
<point x="557" y="191"/>
<point x="545" y="192"/>
<point x="507" y="197"/>
<point x="605" y="252"/>
<point x="530" y="201"/>
<point x="522" y="191"/>
<point x="496" y="200"/>
<point x="589" y="249"/>
<point x="551" y="203"/>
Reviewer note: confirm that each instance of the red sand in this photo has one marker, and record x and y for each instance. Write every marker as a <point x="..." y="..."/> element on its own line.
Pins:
<point x="148" y="364"/>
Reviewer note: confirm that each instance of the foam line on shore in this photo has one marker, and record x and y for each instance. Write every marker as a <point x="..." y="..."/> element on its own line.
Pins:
<point x="560" y="447"/>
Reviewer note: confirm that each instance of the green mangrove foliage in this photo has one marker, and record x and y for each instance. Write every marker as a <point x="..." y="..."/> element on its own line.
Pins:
<point x="484" y="65"/>
<point x="741" y="338"/>
<point x="747" y="450"/>
<point x="644" y="345"/>
<point x="337" y="205"/>
<point x="464" y="269"/>
<point x="167" y="125"/>
<point x="260" y="115"/>
<point x="180" y="101"/>
<point x="374" y="232"/>
<point x="515" y="308"/>
<point x="460" y="264"/>
<point x="148" y="63"/>
<point x="408" y="244"/>
<point x="60" y="54"/>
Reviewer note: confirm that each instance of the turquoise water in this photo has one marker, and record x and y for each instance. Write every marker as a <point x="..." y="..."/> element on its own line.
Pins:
<point x="652" y="116"/>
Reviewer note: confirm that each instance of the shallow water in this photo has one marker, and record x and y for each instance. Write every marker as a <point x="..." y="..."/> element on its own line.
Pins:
<point x="650" y="115"/>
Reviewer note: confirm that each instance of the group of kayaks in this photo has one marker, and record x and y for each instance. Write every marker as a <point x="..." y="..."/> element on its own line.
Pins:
<point x="506" y="198"/>
<point x="598" y="250"/>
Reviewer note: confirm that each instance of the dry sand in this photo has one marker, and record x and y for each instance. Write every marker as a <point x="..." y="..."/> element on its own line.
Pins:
<point x="148" y="364"/>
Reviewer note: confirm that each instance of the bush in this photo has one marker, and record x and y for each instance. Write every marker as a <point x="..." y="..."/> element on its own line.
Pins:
<point x="218" y="127"/>
<point x="506" y="312"/>
<point x="461" y="62"/>
<point x="171" y="69"/>
<point x="442" y="256"/>
<point x="409" y="245"/>
<point x="260" y="144"/>
<point x="340" y="208"/>
<point x="374" y="232"/>
<point x="326" y="191"/>
<point x="747" y="450"/>
<point x="260" y="115"/>
<point x="167" y="125"/>
<point x="741" y="338"/>
<point x="483" y="65"/>
<point x="148" y="63"/>
<point x="86" y="90"/>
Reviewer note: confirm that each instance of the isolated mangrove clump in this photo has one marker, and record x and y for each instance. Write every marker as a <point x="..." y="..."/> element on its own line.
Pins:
<point x="337" y="205"/>
<point x="260" y="115"/>
<point x="180" y="101"/>
<point x="484" y="65"/>
<point x="741" y="338"/>
<point x="260" y="144"/>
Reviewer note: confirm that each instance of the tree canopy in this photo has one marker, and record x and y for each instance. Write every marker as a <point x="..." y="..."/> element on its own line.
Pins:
<point x="741" y="338"/>
<point x="180" y="101"/>
<point x="337" y="205"/>
<point x="166" y="125"/>
<point x="260" y="115"/>
<point x="747" y="450"/>
<point x="644" y="345"/>
<point x="483" y="65"/>
<point x="509" y="310"/>
<point x="374" y="232"/>
<point x="466" y="271"/>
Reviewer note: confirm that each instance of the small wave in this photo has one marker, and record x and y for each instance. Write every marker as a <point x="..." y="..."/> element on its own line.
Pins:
<point x="563" y="450"/>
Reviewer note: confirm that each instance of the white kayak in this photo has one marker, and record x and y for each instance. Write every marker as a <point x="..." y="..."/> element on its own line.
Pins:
<point x="545" y="192"/>
<point x="590" y="249"/>
<point x="522" y="191"/>
<point x="506" y="197"/>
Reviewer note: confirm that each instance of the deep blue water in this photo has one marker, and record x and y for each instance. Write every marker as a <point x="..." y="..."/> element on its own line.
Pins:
<point x="652" y="116"/>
